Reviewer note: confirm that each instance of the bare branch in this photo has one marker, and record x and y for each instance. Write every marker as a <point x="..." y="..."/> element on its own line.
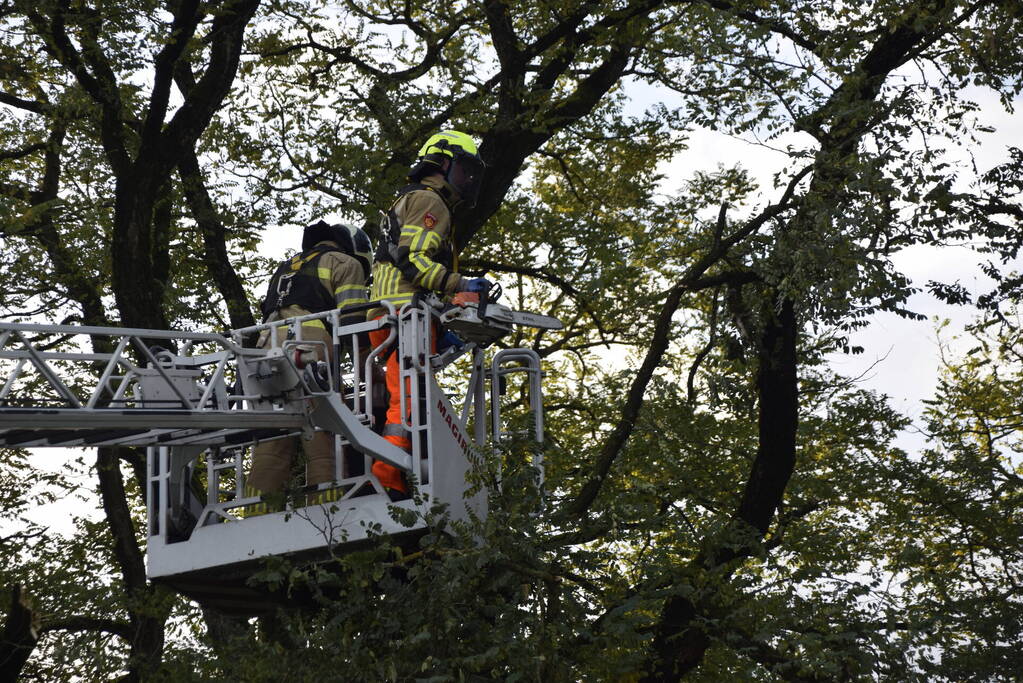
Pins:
<point x="81" y="623"/>
<point x="28" y="105"/>
<point x="22" y="152"/>
<point x="545" y="275"/>
<point x="773" y="24"/>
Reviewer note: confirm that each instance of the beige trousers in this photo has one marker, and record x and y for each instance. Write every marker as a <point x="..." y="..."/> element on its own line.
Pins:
<point x="273" y="461"/>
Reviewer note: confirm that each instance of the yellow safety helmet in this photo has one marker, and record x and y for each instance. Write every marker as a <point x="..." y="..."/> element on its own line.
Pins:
<point x="447" y="142"/>
<point x="465" y="171"/>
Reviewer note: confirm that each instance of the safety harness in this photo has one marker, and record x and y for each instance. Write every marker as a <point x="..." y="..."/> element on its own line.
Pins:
<point x="387" y="250"/>
<point x="296" y="282"/>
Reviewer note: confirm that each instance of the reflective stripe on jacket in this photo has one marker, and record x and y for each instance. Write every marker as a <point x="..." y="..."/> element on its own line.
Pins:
<point x="314" y="281"/>
<point x="423" y="258"/>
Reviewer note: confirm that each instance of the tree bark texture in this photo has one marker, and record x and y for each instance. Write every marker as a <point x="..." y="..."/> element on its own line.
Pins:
<point x="679" y="644"/>
<point x="20" y="634"/>
<point x="147" y="622"/>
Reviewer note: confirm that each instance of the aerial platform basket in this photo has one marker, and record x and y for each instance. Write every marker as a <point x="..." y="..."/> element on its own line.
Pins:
<point x="199" y="402"/>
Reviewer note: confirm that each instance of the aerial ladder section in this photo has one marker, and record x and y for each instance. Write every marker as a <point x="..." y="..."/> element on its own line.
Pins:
<point x="200" y="401"/>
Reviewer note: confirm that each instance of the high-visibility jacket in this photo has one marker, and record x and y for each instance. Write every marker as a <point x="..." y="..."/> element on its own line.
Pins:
<point x="316" y="280"/>
<point x="417" y="250"/>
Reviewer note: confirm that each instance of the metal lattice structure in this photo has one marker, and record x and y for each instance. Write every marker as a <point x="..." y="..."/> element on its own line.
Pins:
<point x="200" y="401"/>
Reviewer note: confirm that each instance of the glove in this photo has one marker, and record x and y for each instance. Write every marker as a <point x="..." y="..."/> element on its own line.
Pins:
<point x="476" y="284"/>
<point x="447" y="340"/>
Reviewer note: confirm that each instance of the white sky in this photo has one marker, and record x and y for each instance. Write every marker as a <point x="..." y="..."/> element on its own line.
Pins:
<point x="901" y="356"/>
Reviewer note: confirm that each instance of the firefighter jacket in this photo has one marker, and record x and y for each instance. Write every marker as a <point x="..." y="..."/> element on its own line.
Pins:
<point x="316" y="280"/>
<point x="417" y="251"/>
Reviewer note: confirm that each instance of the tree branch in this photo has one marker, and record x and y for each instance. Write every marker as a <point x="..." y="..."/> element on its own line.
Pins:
<point x="214" y="235"/>
<point x="80" y="623"/>
<point x="196" y="112"/>
<point x="28" y="105"/>
<point x="186" y="17"/>
<point x="102" y="88"/>
<point x="147" y="626"/>
<point x="658" y="346"/>
<point x="544" y="275"/>
<point x="770" y="23"/>
<point x="22" y="152"/>
<point x="630" y="411"/>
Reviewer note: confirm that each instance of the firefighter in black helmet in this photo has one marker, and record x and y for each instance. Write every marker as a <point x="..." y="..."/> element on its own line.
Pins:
<point x="331" y="271"/>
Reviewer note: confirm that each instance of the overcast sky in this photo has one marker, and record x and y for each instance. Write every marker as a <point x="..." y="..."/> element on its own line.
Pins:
<point x="900" y="356"/>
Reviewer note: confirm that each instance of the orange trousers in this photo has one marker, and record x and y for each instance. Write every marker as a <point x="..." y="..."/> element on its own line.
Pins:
<point x="390" y="476"/>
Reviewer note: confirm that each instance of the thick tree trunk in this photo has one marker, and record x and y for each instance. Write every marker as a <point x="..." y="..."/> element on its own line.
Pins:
<point x="778" y="391"/>
<point x="142" y="158"/>
<point x="147" y="620"/>
<point x="679" y="645"/>
<point x="138" y="295"/>
<point x="20" y="634"/>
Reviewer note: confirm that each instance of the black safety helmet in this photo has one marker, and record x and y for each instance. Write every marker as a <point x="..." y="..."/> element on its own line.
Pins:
<point x="351" y="240"/>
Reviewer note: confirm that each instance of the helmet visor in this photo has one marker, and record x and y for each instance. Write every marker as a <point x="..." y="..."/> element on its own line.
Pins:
<point x="466" y="175"/>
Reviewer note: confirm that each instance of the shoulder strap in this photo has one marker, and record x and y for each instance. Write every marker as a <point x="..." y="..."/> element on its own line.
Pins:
<point x="391" y="232"/>
<point x="391" y="228"/>
<point x="282" y="289"/>
<point x="411" y="187"/>
<point x="317" y="252"/>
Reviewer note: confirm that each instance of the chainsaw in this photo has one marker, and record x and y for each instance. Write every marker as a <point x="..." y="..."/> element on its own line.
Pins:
<point x="485" y="322"/>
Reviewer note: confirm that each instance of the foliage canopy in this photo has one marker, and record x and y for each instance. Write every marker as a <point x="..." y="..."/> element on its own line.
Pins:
<point x="720" y="504"/>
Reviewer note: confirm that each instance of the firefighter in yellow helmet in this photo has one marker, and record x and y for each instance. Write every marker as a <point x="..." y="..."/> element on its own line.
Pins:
<point x="331" y="271"/>
<point x="417" y="253"/>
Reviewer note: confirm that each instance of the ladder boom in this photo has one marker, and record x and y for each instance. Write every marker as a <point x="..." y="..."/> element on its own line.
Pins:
<point x="199" y="402"/>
